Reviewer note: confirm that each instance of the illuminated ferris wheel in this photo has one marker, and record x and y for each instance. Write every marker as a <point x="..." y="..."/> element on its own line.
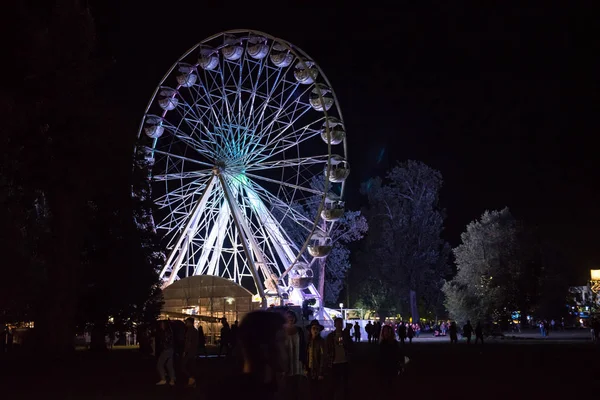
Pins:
<point x="235" y="138"/>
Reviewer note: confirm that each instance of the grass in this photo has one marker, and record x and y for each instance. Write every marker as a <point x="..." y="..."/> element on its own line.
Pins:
<point x="495" y="370"/>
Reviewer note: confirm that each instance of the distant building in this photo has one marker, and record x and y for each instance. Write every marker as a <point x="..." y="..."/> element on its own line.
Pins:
<point x="583" y="301"/>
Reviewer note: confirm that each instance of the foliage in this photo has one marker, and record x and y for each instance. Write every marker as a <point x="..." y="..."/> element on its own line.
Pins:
<point x="75" y="257"/>
<point x="406" y="253"/>
<point x="499" y="269"/>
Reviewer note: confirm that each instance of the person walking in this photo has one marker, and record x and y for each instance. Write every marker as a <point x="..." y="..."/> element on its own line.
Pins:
<point x="190" y="349"/>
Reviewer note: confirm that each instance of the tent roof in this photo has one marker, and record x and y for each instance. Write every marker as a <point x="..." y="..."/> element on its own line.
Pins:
<point x="204" y="286"/>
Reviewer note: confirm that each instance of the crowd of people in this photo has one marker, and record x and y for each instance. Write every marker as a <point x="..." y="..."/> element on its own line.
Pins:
<point x="279" y="356"/>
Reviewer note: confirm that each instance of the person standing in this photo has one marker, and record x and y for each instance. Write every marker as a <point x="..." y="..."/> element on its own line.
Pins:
<point x="369" y="330"/>
<point x="225" y="337"/>
<point x="165" y="339"/>
<point x="339" y="348"/>
<point x="468" y="331"/>
<point x="401" y="332"/>
<point x="356" y="332"/>
<point x="315" y="359"/>
<point x="295" y="345"/>
<point x="391" y="360"/>
<point x="453" y="332"/>
<point x="410" y="333"/>
<point x="190" y="349"/>
<point x="202" y="342"/>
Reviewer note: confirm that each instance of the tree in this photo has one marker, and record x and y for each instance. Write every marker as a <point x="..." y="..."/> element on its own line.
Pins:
<point x="405" y="255"/>
<point x="50" y="104"/>
<point x="497" y="269"/>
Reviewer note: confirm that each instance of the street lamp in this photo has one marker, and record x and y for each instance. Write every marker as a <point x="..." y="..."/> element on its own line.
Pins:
<point x="342" y="311"/>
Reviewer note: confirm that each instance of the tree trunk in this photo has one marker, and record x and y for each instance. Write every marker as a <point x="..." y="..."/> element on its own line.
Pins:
<point x="98" y="339"/>
<point x="322" y="279"/>
<point x="414" y="310"/>
<point x="55" y="326"/>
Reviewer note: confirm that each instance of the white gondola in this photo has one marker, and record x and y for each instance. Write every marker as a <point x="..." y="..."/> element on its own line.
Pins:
<point x="154" y="128"/>
<point x="208" y="59"/>
<point x="333" y="130"/>
<point x="306" y="72"/>
<point x="232" y="51"/>
<point x="340" y="169"/>
<point x="258" y="47"/>
<point x="280" y="56"/>
<point x="320" y="245"/>
<point x="187" y="76"/>
<point x="322" y="102"/>
<point x="301" y="276"/>
<point x="167" y="100"/>
<point x="333" y="208"/>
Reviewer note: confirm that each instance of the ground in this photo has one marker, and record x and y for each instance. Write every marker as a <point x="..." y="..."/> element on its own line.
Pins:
<point x="520" y="367"/>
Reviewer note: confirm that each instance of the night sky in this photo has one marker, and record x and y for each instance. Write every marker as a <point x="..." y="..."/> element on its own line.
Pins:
<point x="503" y="101"/>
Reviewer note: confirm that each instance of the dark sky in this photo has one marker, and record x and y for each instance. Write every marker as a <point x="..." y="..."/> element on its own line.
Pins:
<point x="503" y="101"/>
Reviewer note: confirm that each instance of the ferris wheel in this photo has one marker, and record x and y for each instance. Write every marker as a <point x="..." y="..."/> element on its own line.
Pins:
<point x="245" y="148"/>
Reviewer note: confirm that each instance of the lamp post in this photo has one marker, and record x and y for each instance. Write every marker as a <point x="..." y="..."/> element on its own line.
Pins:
<point x="342" y="311"/>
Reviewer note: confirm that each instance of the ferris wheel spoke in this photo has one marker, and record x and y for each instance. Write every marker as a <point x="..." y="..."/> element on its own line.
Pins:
<point x="272" y="243"/>
<point x="284" y="116"/>
<point x="285" y="143"/>
<point x="181" y="192"/>
<point x="289" y="163"/>
<point x="183" y="175"/>
<point x="286" y="184"/>
<point x="182" y="158"/>
<point x="288" y="210"/>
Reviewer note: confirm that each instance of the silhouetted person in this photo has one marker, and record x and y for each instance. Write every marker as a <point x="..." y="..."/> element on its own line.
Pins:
<point x="376" y="331"/>
<point x="410" y="333"/>
<point x="369" y="330"/>
<point x="233" y="334"/>
<point x="316" y="357"/>
<point x="468" y="331"/>
<point x="356" y="332"/>
<point x="225" y="337"/>
<point x="391" y="360"/>
<point x="295" y="348"/>
<point x="401" y="332"/>
<point x="202" y="342"/>
<point x="453" y="332"/>
<point x="164" y="337"/>
<point x="190" y="349"/>
<point x="478" y="333"/>
<point x="262" y="340"/>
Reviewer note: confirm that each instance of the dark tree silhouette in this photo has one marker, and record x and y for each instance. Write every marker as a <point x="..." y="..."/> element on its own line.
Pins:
<point x="404" y="255"/>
